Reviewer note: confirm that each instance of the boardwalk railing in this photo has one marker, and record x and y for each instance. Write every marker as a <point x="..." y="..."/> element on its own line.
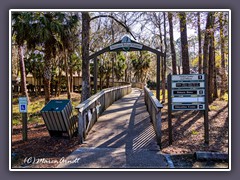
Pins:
<point x="154" y="109"/>
<point x="90" y="109"/>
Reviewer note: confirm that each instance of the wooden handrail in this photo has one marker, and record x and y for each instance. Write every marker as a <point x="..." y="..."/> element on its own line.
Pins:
<point x="90" y="109"/>
<point x="154" y="109"/>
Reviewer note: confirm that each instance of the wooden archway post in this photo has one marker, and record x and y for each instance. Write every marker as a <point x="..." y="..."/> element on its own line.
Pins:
<point x="95" y="75"/>
<point x="130" y="46"/>
<point x="158" y="77"/>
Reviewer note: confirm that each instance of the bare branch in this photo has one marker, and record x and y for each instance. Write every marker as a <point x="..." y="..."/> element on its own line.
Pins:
<point x="119" y="22"/>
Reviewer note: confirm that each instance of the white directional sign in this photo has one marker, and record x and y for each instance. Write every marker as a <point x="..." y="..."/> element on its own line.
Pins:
<point x="185" y="92"/>
<point x="188" y="99"/>
<point x="188" y="106"/>
<point x="22" y="104"/>
<point x="188" y="84"/>
<point x="188" y="77"/>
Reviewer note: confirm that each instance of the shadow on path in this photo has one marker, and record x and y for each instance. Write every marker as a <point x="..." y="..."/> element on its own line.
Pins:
<point x="123" y="137"/>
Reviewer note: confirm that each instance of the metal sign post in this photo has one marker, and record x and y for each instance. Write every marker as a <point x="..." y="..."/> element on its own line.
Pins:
<point x="188" y="92"/>
<point x="23" y="102"/>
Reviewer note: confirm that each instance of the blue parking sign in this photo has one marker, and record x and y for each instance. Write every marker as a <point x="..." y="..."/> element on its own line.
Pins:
<point x="23" y="107"/>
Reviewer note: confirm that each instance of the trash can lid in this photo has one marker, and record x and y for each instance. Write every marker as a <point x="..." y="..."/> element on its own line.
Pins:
<point x="55" y="105"/>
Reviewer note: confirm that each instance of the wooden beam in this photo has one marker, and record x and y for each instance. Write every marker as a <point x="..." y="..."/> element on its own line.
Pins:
<point x="95" y="75"/>
<point x="158" y="77"/>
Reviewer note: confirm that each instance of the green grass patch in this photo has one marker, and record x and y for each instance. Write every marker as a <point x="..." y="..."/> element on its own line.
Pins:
<point x="16" y="119"/>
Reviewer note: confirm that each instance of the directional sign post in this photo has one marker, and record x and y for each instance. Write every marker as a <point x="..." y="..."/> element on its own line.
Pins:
<point x="188" y="92"/>
<point x="23" y="102"/>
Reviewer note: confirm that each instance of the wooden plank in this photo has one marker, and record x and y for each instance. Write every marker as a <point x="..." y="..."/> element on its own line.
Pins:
<point x="45" y="120"/>
<point x="64" y="117"/>
<point x="59" y="116"/>
<point x="51" y="127"/>
<point x="54" y="121"/>
<point x="57" y="120"/>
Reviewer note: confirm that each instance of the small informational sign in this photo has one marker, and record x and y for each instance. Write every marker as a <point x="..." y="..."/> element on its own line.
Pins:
<point x="188" y="106"/>
<point x="188" y="77"/>
<point x="188" y="85"/>
<point x="188" y="92"/>
<point x="188" y="99"/>
<point x="22" y="104"/>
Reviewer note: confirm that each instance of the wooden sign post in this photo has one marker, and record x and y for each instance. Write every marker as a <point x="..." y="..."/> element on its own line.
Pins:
<point x="188" y="92"/>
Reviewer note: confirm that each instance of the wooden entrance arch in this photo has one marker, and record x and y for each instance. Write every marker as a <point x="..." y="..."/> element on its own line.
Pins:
<point x="126" y="44"/>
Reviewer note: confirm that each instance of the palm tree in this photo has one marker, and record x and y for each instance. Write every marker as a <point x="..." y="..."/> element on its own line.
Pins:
<point x="48" y="29"/>
<point x="141" y="65"/>
<point x="70" y="42"/>
<point x="20" y="34"/>
<point x="119" y="66"/>
<point x="52" y="30"/>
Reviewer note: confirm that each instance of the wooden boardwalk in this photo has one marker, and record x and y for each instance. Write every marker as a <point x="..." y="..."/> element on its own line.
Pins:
<point x="123" y="137"/>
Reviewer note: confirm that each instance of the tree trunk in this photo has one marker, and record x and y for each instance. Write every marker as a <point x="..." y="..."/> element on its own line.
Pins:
<point x="199" y="45"/>
<point x="36" y="87"/>
<point x="164" y="58"/>
<point x="210" y="72"/>
<point x="179" y="69"/>
<point x="126" y="74"/>
<point x="222" y="71"/>
<point x="85" y="56"/>
<point x="215" y="88"/>
<point x="113" y="70"/>
<point x="59" y="82"/>
<point x="47" y="75"/>
<point x="206" y="44"/>
<point x="40" y="86"/>
<point x="211" y="62"/>
<point x="67" y="78"/>
<point x="173" y="52"/>
<point x="113" y="54"/>
<point x="184" y="43"/>
<point x="23" y="73"/>
<point x="107" y="81"/>
<point x="101" y="83"/>
<point x="71" y="79"/>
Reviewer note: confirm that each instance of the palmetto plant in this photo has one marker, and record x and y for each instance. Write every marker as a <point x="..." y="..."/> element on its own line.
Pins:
<point x="20" y="34"/>
<point x="51" y="30"/>
<point x="141" y="64"/>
